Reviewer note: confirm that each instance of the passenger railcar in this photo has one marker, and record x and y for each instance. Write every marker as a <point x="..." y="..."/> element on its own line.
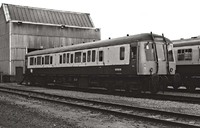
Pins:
<point x="187" y="54"/>
<point x="142" y="62"/>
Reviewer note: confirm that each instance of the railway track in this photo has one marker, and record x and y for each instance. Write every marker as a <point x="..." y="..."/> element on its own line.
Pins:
<point x="178" y="98"/>
<point x="157" y="116"/>
<point x="162" y="96"/>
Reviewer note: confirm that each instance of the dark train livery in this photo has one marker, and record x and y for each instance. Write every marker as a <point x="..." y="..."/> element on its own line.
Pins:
<point x="187" y="54"/>
<point x="142" y="62"/>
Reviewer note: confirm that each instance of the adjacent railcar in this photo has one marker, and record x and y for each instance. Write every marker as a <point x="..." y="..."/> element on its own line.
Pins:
<point x="187" y="54"/>
<point x="143" y="62"/>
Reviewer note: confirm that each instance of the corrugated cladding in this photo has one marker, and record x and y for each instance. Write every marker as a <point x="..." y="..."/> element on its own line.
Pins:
<point x="4" y="44"/>
<point x="39" y="28"/>
<point x="38" y="15"/>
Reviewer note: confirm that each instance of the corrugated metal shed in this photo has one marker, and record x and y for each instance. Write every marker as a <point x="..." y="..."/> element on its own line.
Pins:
<point x="39" y="15"/>
<point x="24" y="29"/>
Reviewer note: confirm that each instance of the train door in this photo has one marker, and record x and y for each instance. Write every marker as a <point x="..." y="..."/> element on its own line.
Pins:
<point x="152" y="58"/>
<point x="146" y="64"/>
<point x="161" y="58"/>
<point x="134" y="58"/>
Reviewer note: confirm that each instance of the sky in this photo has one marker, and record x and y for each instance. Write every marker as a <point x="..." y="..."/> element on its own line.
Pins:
<point x="116" y="18"/>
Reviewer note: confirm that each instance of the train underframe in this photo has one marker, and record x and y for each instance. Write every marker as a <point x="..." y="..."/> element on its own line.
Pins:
<point x="152" y="83"/>
<point x="189" y="81"/>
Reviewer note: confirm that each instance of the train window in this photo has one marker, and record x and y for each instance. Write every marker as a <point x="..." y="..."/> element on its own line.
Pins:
<point x="88" y="56"/>
<point x="93" y="55"/>
<point x="180" y="54"/>
<point x="42" y="60"/>
<point x="68" y="55"/>
<point x="35" y="61"/>
<point x="72" y="58"/>
<point x="184" y="54"/>
<point x="150" y="52"/>
<point x="188" y="54"/>
<point x="170" y="53"/>
<point x="161" y="50"/>
<point x="100" y="56"/>
<point x="77" y="57"/>
<point x="51" y="59"/>
<point x="122" y="53"/>
<point x="64" y="58"/>
<point x="39" y="60"/>
<point x="84" y="57"/>
<point x="133" y="52"/>
<point x="46" y="58"/>
<point x="31" y="60"/>
<point x="60" y="56"/>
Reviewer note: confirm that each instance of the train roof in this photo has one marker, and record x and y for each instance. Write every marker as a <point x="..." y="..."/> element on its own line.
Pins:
<point x="100" y="43"/>
<point x="186" y="42"/>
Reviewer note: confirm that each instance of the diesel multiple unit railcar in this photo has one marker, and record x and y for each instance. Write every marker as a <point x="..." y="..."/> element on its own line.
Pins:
<point x="187" y="54"/>
<point x="143" y="62"/>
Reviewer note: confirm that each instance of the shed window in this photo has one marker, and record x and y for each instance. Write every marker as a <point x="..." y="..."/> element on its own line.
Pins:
<point x="31" y="60"/>
<point x="72" y="58"/>
<point x="122" y="53"/>
<point x="100" y="56"/>
<point x="46" y="59"/>
<point x="68" y="55"/>
<point x="88" y="56"/>
<point x="93" y="55"/>
<point x="77" y="57"/>
<point x="39" y="60"/>
<point x="84" y="57"/>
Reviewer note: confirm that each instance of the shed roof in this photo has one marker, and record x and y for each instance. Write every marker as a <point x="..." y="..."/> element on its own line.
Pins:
<point x="46" y="16"/>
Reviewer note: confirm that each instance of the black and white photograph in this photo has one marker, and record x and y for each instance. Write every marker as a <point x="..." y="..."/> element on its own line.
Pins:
<point x="99" y="64"/>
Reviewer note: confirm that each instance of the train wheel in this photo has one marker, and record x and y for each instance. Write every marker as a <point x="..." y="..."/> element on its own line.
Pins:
<point x="190" y="85"/>
<point x="177" y="81"/>
<point x="154" y="84"/>
<point x="192" y="88"/>
<point x="163" y="83"/>
<point x="110" y="86"/>
<point x="32" y="81"/>
<point x="127" y="88"/>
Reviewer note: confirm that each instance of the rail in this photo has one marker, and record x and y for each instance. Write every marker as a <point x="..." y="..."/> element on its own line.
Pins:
<point x="152" y="115"/>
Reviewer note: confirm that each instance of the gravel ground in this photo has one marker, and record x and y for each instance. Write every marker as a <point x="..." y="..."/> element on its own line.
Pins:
<point x="147" y="103"/>
<point x="50" y="115"/>
<point x="18" y="112"/>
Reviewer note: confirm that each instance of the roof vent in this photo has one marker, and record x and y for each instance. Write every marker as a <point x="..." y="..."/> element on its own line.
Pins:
<point x="19" y="22"/>
<point x="62" y="26"/>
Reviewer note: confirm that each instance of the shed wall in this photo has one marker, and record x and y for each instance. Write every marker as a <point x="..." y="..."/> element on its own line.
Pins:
<point x="24" y="36"/>
<point x="42" y="36"/>
<point x="4" y="44"/>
